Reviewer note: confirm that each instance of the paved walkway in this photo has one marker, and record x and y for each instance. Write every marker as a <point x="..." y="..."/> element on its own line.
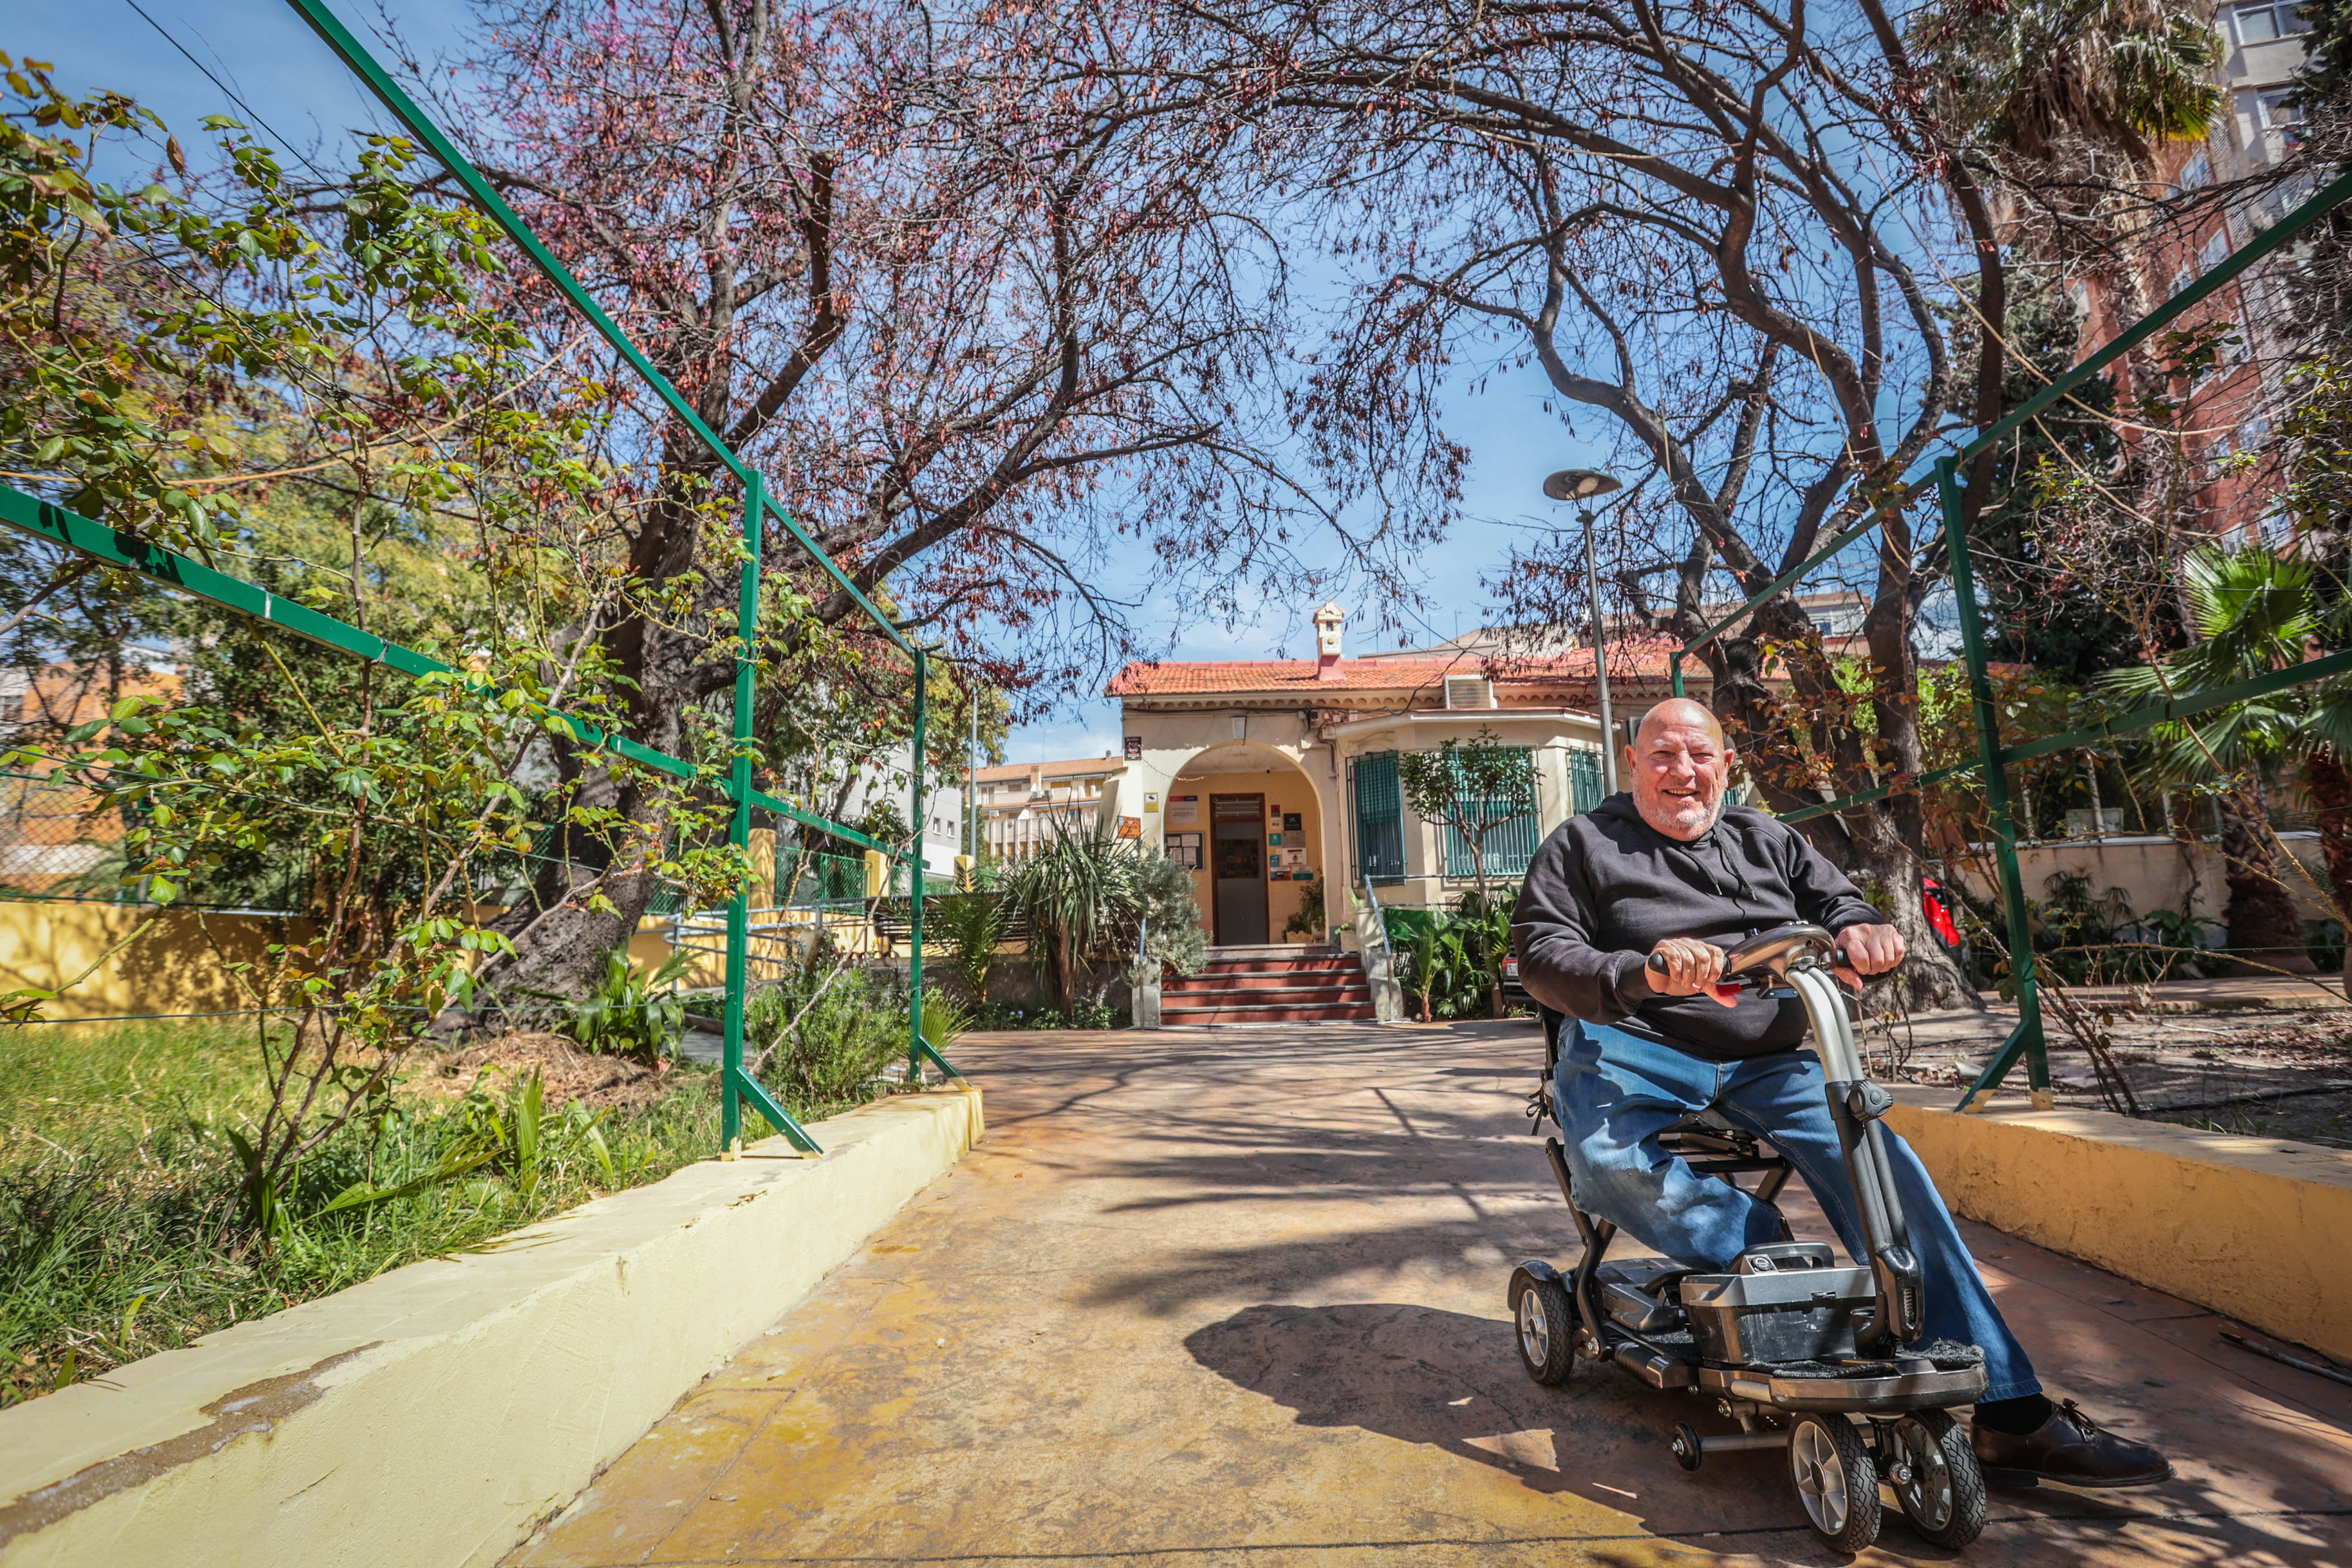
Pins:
<point x="1233" y="1299"/>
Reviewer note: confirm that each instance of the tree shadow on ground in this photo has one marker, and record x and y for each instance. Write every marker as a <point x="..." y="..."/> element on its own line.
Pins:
<point x="1450" y="1381"/>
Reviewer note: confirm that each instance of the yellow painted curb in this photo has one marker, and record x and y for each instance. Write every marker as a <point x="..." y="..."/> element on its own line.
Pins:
<point x="432" y="1416"/>
<point x="2257" y="1228"/>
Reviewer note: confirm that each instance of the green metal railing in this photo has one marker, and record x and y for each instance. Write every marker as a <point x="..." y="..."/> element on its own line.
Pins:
<point x="2027" y="1042"/>
<point x="29" y="515"/>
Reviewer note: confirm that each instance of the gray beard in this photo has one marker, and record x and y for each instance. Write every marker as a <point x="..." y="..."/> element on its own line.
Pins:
<point x="1714" y="815"/>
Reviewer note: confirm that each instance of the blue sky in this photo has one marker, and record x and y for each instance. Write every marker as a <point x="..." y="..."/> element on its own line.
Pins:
<point x="262" y="53"/>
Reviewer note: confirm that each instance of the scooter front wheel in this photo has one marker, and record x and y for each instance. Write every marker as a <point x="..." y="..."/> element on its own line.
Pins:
<point x="1837" y="1479"/>
<point x="1545" y="1321"/>
<point x="1935" y="1478"/>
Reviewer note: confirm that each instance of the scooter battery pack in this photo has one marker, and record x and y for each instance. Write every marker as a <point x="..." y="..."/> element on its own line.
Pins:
<point x="1763" y="1320"/>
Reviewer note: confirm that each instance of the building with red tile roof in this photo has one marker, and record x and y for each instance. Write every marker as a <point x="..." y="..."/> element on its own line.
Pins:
<point x="1273" y="777"/>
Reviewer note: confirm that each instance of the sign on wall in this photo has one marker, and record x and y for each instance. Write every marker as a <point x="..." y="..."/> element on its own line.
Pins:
<point x="1184" y="811"/>
<point x="1135" y="748"/>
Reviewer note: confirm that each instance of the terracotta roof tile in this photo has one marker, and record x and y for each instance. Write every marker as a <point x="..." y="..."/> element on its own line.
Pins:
<point x="1628" y="660"/>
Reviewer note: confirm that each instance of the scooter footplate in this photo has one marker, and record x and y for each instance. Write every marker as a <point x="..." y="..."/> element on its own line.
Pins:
<point x="1904" y="1391"/>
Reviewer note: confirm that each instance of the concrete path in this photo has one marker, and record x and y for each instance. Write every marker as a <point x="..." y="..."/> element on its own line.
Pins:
<point x="1235" y="1297"/>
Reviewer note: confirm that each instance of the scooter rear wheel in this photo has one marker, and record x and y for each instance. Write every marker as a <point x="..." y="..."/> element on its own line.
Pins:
<point x="1545" y="1321"/>
<point x="1837" y="1479"/>
<point x="1943" y="1492"/>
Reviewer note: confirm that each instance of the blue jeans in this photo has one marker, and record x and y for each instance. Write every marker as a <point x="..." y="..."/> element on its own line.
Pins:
<point x="1617" y="1091"/>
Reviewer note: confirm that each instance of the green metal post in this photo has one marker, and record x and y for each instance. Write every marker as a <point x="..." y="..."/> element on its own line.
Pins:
<point x="918" y="815"/>
<point x="737" y="1086"/>
<point x="739" y="830"/>
<point x="2026" y="1039"/>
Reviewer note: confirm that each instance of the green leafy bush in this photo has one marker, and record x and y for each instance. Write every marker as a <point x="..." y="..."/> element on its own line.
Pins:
<point x="1436" y="968"/>
<point x="945" y="1019"/>
<point x="627" y="1013"/>
<point x="1450" y="962"/>
<point x="1309" y="920"/>
<point x="1089" y="898"/>
<point x="820" y="1038"/>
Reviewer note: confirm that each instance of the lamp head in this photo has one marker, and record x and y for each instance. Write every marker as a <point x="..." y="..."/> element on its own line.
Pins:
<point x="1581" y="484"/>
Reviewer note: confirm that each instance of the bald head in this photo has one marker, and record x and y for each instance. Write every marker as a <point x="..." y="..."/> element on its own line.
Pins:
<point x="1679" y="765"/>
<point x="1679" y="712"/>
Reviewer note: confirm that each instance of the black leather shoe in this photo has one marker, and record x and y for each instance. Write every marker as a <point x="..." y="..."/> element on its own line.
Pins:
<point x="2069" y="1449"/>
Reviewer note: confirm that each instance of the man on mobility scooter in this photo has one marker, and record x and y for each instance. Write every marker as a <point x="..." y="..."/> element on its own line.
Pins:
<point x="1668" y="876"/>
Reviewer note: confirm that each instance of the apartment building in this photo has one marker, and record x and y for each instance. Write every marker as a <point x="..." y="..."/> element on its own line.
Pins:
<point x="1022" y="804"/>
<point x="2231" y="399"/>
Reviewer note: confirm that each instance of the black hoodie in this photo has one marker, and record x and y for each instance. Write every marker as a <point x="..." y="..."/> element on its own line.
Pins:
<point x="1606" y="887"/>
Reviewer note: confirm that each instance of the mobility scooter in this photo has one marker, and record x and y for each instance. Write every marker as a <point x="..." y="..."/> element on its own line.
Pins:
<point x="1786" y="1342"/>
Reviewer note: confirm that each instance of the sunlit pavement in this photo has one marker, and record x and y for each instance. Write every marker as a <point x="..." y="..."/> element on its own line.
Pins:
<point x="1235" y="1297"/>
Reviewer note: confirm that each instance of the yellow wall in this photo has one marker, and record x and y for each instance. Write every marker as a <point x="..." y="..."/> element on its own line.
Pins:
<point x="1285" y="786"/>
<point x="177" y="964"/>
<point x="2161" y="873"/>
<point x="2252" y="1228"/>
<point x="178" y="961"/>
<point x="494" y="1383"/>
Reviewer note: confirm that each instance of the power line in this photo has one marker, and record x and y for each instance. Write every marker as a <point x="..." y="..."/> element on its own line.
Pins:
<point x="285" y="144"/>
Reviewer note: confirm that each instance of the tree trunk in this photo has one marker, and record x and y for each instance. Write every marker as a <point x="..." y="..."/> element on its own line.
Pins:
<point x="2331" y="791"/>
<point x="1927" y="980"/>
<point x="1487" y="959"/>
<point x="1878" y="844"/>
<point x="2266" y="932"/>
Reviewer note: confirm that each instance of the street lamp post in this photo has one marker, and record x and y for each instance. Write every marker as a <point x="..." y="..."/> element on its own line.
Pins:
<point x="1600" y="659"/>
<point x="1582" y="485"/>
<point x="971" y="785"/>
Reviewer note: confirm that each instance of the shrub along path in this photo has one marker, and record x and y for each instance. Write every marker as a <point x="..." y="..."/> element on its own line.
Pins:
<point x="1235" y="1297"/>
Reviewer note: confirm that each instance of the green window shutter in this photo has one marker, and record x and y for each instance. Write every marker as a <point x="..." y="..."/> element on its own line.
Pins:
<point x="1510" y="842"/>
<point x="1583" y="780"/>
<point x="1380" y="819"/>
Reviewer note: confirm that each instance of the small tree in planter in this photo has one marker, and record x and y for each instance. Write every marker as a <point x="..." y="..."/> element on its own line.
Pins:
<point x="1475" y="790"/>
<point x="1310" y="921"/>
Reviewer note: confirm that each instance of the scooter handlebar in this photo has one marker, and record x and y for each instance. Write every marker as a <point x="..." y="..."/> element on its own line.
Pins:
<point x="1657" y="962"/>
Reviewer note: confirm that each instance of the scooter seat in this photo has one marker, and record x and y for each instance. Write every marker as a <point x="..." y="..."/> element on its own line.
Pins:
<point x="1706" y="1132"/>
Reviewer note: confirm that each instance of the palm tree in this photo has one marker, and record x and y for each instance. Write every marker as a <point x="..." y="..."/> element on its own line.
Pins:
<point x="2039" y="77"/>
<point x="1088" y="898"/>
<point x="2253" y="612"/>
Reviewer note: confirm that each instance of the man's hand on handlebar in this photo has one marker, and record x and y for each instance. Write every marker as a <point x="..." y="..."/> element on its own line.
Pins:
<point x="1867" y="950"/>
<point x="1686" y="966"/>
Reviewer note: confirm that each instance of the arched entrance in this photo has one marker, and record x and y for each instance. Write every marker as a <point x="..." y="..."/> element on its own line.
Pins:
<point x="1254" y="822"/>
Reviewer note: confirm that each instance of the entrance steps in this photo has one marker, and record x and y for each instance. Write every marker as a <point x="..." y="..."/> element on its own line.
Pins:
<point x="1270" y="984"/>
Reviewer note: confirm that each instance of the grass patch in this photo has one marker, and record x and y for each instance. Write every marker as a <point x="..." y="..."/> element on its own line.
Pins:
<point x="123" y="1230"/>
<point x="124" y="1226"/>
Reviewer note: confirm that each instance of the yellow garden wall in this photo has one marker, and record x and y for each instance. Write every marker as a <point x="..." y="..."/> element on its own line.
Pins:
<point x="178" y="960"/>
<point x="177" y="963"/>
<point x="429" y="1418"/>
<point x="2253" y="1227"/>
